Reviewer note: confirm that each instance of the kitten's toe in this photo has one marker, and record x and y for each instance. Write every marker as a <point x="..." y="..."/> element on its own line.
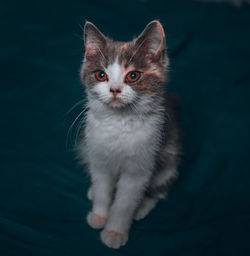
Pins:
<point x="141" y="213"/>
<point x="146" y="206"/>
<point x="96" y="221"/>
<point x="90" y="194"/>
<point x="113" y="238"/>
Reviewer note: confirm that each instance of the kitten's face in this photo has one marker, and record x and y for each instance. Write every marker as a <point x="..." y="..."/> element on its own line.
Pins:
<point x="120" y="74"/>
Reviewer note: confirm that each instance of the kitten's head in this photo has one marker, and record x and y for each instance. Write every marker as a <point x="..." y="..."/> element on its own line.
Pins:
<point x="123" y="73"/>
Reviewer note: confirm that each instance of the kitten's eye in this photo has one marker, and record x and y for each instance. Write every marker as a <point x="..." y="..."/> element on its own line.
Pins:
<point x="132" y="76"/>
<point x="101" y="76"/>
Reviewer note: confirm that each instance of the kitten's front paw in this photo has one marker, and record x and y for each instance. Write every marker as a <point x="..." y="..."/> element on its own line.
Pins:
<point x="113" y="238"/>
<point x="96" y="221"/>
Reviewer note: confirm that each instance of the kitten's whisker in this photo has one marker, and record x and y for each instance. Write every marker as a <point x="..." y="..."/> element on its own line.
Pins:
<point x="100" y="51"/>
<point x="72" y="125"/>
<point x="82" y="28"/>
<point x="74" y="106"/>
<point x="78" y="129"/>
<point x="134" y="108"/>
<point x="78" y="36"/>
<point x="136" y="50"/>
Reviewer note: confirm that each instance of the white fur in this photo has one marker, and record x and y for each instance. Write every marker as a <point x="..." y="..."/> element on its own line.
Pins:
<point x="115" y="73"/>
<point x="165" y="176"/>
<point x="120" y="150"/>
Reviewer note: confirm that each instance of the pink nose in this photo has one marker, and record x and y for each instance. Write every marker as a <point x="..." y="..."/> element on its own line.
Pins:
<point x="115" y="91"/>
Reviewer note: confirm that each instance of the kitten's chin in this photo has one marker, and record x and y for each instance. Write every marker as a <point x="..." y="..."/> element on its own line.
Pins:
<point x="116" y="103"/>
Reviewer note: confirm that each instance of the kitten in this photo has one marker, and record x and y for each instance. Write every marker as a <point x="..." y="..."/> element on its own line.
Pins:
<point x="130" y="141"/>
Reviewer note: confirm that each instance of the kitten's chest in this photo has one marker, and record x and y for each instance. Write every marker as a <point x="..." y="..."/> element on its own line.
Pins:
<point x="118" y="134"/>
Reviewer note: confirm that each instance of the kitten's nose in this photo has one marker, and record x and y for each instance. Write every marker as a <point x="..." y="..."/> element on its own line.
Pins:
<point x="115" y="91"/>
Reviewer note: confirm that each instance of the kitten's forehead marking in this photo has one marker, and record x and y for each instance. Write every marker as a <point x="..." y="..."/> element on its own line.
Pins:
<point x="116" y="72"/>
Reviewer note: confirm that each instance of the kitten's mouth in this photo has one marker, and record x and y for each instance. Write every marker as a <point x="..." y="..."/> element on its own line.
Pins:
<point x="115" y="102"/>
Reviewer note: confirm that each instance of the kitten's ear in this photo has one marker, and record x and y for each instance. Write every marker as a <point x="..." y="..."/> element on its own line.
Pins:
<point x="152" y="39"/>
<point x="94" y="40"/>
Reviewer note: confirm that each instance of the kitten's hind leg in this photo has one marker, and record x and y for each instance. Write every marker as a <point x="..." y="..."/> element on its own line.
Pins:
<point x="158" y="190"/>
<point x="90" y="193"/>
<point x="147" y="204"/>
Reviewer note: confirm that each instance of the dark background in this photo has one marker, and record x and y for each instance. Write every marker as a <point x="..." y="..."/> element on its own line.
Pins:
<point x="42" y="189"/>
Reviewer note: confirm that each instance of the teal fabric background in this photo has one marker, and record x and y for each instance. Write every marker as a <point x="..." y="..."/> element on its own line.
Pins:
<point x="42" y="189"/>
